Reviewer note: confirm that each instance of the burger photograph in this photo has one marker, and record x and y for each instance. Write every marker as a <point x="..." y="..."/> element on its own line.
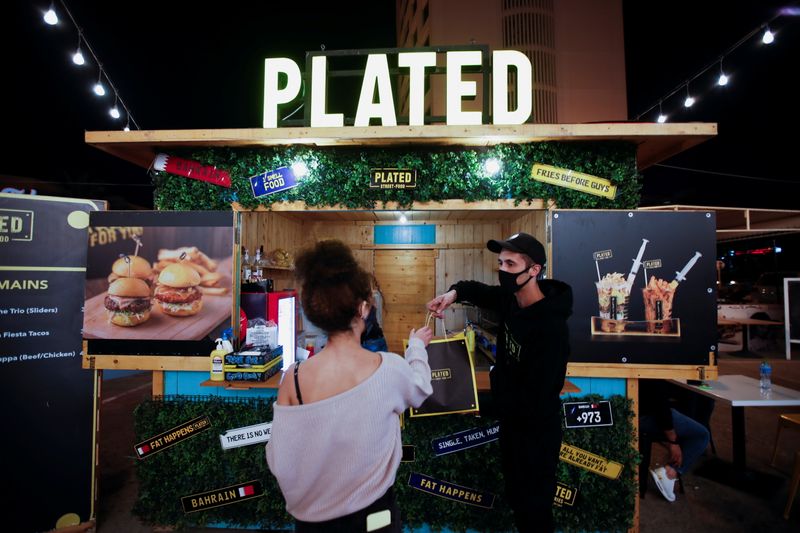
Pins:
<point x="128" y="302"/>
<point x="158" y="276"/>
<point x="177" y="293"/>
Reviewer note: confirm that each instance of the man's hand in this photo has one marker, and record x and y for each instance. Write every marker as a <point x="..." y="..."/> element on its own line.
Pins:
<point x="441" y="302"/>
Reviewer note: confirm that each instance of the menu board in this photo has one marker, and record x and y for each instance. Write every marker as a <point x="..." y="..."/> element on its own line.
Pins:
<point x="49" y="415"/>
<point x="643" y="282"/>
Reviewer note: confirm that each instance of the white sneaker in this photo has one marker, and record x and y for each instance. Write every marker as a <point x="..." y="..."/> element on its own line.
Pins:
<point x="664" y="484"/>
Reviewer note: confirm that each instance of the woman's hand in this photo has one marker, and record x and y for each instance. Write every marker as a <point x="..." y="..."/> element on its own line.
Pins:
<point x="425" y="334"/>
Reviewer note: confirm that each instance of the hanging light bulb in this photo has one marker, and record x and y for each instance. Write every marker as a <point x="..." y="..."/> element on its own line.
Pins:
<point x="491" y="166"/>
<point x="768" y="37"/>
<point x="723" y="78"/>
<point x="98" y="88"/>
<point x="77" y="57"/>
<point x="50" y="16"/>
<point x="127" y="126"/>
<point x="689" y="102"/>
<point x="662" y="118"/>
<point x="114" y="112"/>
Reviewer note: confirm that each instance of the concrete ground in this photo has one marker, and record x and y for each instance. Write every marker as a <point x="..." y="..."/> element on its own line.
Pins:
<point x="706" y="505"/>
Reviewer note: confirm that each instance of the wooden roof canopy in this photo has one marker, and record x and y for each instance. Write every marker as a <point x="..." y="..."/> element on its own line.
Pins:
<point x="656" y="142"/>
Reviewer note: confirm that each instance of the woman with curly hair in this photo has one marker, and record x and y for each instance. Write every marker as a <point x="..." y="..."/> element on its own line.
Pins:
<point x="335" y="444"/>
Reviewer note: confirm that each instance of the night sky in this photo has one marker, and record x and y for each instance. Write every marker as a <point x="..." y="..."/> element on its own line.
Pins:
<point x="184" y="65"/>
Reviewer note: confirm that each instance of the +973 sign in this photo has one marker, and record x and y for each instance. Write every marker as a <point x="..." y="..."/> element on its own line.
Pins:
<point x="587" y="414"/>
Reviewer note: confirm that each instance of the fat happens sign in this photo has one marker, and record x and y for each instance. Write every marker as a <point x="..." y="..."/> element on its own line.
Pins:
<point x="392" y="178"/>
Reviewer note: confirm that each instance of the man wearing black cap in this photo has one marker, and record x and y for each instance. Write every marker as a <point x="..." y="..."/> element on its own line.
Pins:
<point x="532" y="353"/>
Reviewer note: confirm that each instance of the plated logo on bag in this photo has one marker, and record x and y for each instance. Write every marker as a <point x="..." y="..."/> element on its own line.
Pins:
<point x="223" y="496"/>
<point x="441" y="373"/>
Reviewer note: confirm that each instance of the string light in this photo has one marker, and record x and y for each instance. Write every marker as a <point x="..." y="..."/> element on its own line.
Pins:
<point x="114" y="111"/>
<point x="662" y="118"/>
<point x="51" y="18"/>
<point x="98" y="88"/>
<point x="77" y="58"/>
<point x="768" y="37"/>
<point x="689" y="102"/>
<point x="723" y="79"/>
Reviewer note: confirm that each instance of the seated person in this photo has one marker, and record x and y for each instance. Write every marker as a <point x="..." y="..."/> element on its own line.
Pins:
<point x="686" y="439"/>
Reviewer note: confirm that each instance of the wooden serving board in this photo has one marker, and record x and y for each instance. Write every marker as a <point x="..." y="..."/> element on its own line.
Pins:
<point x="159" y="326"/>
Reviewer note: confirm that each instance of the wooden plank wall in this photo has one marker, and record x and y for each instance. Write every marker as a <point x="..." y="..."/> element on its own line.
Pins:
<point x="461" y="246"/>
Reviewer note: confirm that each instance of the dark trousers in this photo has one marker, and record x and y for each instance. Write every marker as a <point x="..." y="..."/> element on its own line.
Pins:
<point x="357" y="522"/>
<point x="529" y="451"/>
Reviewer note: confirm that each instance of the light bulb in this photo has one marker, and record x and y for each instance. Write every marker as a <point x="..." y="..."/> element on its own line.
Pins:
<point x="50" y="17"/>
<point x="768" y="37"/>
<point x="77" y="58"/>
<point x="723" y="80"/>
<point x="689" y="102"/>
<point x="300" y="169"/>
<point x="126" y="128"/>
<point x="403" y="219"/>
<point x="99" y="90"/>
<point x="114" y="112"/>
<point x="492" y="166"/>
<point x="662" y="118"/>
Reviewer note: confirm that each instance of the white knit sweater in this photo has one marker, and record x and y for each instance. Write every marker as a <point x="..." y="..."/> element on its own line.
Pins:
<point x="338" y="455"/>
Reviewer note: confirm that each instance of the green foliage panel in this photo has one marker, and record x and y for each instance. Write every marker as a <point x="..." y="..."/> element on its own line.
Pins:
<point x="199" y="464"/>
<point x="341" y="175"/>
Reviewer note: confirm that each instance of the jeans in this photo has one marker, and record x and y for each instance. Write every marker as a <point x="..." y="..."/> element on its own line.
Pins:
<point x="692" y="436"/>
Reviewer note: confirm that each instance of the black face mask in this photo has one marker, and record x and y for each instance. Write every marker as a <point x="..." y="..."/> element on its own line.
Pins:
<point x="508" y="281"/>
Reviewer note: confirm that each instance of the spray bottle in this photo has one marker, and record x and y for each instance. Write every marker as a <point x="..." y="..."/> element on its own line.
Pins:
<point x="217" y="362"/>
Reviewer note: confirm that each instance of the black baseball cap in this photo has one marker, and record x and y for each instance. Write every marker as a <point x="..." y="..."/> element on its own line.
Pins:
<point x="521" y="243"/>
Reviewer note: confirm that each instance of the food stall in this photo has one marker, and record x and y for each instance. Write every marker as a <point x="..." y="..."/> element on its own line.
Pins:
<point x="417" y="204"/>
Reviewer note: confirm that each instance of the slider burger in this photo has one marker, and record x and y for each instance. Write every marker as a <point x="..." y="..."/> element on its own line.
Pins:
<point x="128" y="302"/>
<point x="177" y="293"/>
<point x="139" y="267"/>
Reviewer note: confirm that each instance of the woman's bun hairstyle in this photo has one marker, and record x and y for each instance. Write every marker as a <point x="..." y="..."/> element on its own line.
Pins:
<point x="333" y="285"/>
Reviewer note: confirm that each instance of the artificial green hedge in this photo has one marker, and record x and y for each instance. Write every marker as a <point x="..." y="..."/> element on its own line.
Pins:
<point x="341" y="175"/>
<point x="199" y="464"/>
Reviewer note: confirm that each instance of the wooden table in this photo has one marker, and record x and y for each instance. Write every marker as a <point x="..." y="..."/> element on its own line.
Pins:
<point x="740" y="392"/>
<point x="746" y="323"/>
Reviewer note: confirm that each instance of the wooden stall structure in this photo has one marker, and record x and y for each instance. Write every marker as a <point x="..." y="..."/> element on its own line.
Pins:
<point x="409" y="274"/>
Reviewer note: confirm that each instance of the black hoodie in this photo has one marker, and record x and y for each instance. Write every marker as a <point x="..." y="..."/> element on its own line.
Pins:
<point x="532" y="348"/>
